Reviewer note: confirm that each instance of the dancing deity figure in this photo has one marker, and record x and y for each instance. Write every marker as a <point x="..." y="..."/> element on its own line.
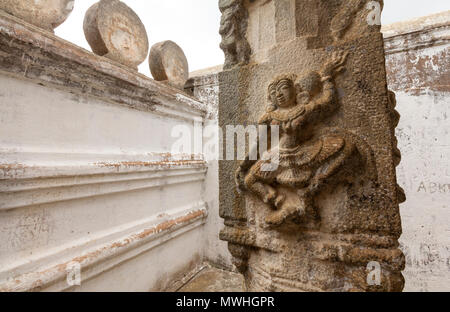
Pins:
<point x="307" y="155"/>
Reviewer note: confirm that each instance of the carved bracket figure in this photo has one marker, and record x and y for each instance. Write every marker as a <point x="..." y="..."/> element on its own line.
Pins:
<point x="308" y="156"/>
<point x="233" y="27"/>
<point x="320" y="207"/>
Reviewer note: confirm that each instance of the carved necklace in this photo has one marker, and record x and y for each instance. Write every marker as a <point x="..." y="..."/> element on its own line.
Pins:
<point x="289" y="116"/>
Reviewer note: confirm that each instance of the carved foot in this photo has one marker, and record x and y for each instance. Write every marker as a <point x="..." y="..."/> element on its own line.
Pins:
<point x="270" y="196"/>
<point x="289" y="207"/>
<point x="279" y="201"/>
<point x="278" y="217"/>
<point x="288" y="210"/>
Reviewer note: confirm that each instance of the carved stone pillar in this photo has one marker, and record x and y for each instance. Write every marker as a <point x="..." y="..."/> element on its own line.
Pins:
<point x="326" y="216"/>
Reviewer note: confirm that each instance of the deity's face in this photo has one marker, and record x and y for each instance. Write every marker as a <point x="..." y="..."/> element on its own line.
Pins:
<point x="283" y="93"/>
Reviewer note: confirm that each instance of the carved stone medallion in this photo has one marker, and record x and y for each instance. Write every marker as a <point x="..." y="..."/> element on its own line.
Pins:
<point x="169" y="63"/>
<point x="46" y="14"/>
<point x="113" y="30"/>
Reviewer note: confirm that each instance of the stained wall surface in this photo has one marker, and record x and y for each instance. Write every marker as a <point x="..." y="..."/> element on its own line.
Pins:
<point x="93" y="194"/>
<point x="418" y="68"/>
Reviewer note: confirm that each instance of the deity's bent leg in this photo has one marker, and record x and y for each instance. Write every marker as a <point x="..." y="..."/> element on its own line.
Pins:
<point x="264" y="191"/>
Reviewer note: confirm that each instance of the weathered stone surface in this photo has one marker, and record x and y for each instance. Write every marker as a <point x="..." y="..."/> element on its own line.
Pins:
<point x="330" y="208"/>
<point x="47" y="14"/>
<point x="204" y="85"/>
<point x="113" y="30"/>
<point x="169" y="63"/>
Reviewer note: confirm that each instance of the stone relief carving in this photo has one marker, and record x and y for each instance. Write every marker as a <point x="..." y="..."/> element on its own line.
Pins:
<point x="233" y="26"/>
<point x="330" y="207"/>
<point x="308" y="154"/>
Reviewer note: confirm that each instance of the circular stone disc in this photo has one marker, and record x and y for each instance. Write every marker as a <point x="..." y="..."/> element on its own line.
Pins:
<point x="47" y="14"/>
<point x="168" y="62"/>
<point x="119" y="29"/>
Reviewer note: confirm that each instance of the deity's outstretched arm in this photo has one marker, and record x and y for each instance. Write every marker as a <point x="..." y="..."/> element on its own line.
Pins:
<point x="326" y="102"/>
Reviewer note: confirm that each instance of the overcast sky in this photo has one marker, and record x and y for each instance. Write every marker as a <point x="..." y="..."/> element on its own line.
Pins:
<point x="194" y="24"/>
